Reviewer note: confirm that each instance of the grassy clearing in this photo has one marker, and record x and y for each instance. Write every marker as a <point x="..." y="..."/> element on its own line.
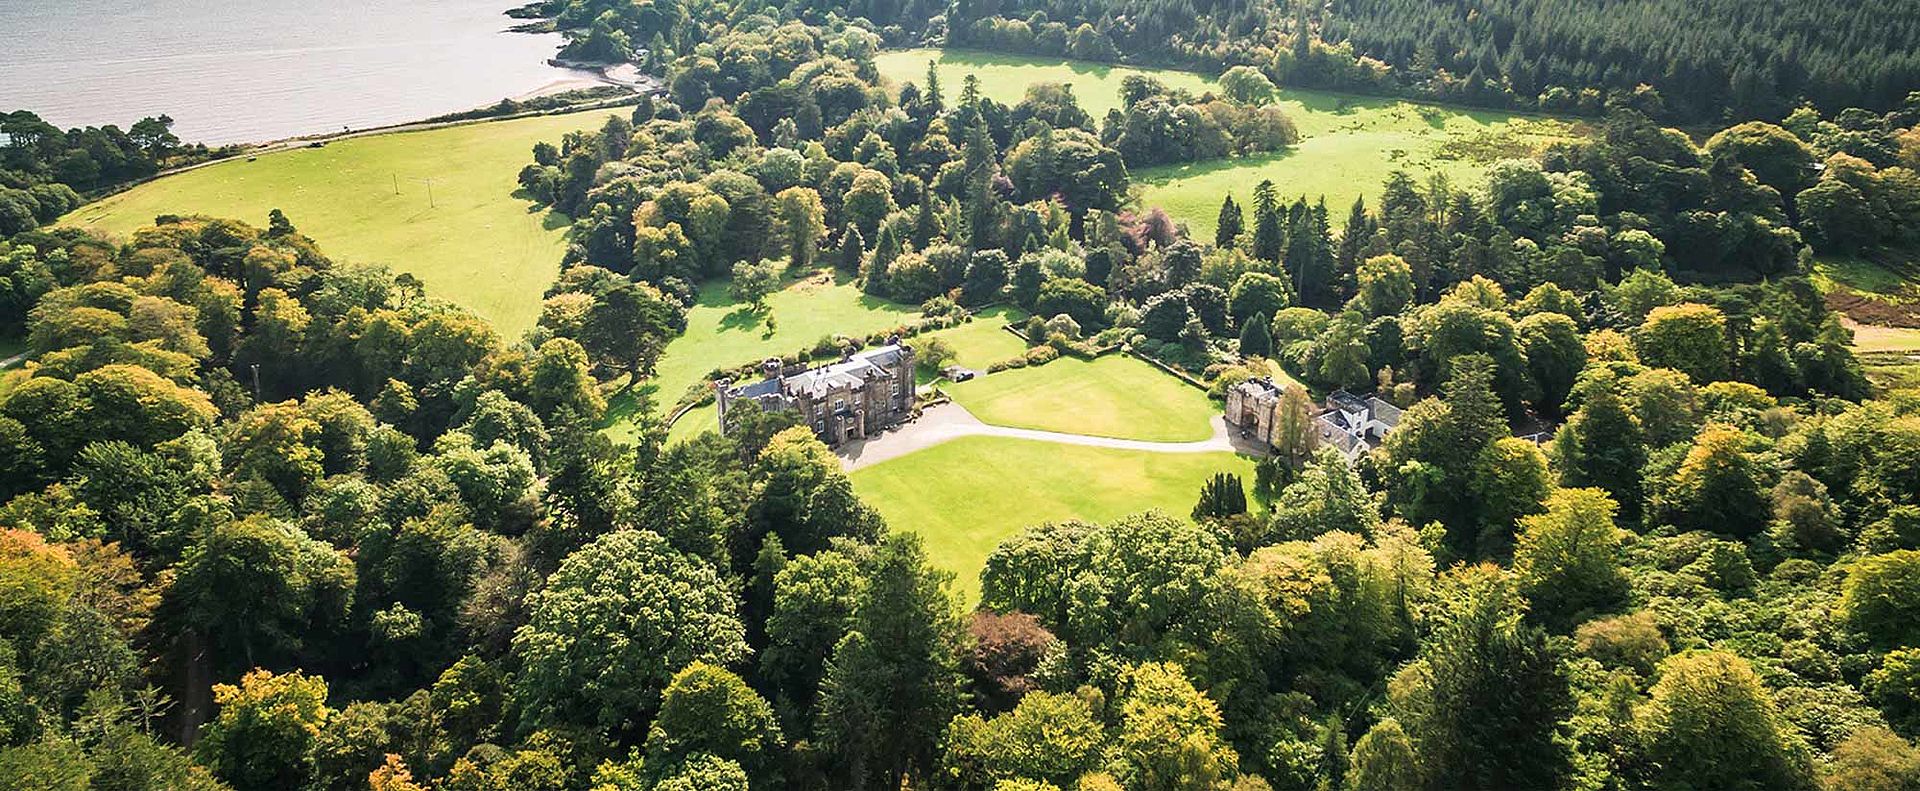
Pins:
<point x="1111" y="396"/>
<point x="1890" y="355"/>
<point x="723" y="333"/>
<point x="1859" y="274"/>
<point x="1870" y="338"/>
<point x="966" y="496"/>
<point x="1349" y="144"/>
<point x="476" y="244"/>
<point x="1004" y="78"/>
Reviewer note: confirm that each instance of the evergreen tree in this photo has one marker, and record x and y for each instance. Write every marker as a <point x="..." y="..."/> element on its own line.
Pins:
<point x="1601" y="446"/>
<point x="1486" y="705"/>
<point x="1269" y="237"/>
<point x="1220" y="497"/>
<point x="1231" y="223"/>
<point x="936" y="104"/>
<point x="1256" y="338"/>
<point x="893" y="682"/>
<point x="853" y="249"/>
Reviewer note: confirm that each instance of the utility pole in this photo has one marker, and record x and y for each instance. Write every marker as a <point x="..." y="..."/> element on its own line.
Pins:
<point x="396" y="183"/>
<point x="256" y="382"/>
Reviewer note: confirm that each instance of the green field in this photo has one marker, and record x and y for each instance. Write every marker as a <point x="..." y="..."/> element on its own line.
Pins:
<point x="1111" y="396"/>
<point x="985" y="340"/>
<point x="1004" y="78"/>
<point x="1859" y="274"/>
<point x="1349" y="144"/>
<point x="966" y="496"/>
<point x="722" y="333"/>
<point x="476" y="244"/>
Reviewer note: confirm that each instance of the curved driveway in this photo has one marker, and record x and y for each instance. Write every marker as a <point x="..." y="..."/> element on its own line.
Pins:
<point x="948" y="421"/>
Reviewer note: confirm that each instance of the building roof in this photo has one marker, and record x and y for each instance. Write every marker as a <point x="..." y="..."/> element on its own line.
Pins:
<point x="760" y="389"/>
<point x="1384" y="412"/>
<point x="1259" y="387"/>
<point x="1347" y="401"/>
<point x="852" y="372"/>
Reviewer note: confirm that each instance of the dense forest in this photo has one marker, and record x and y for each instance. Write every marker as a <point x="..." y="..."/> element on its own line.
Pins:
<point x="273" y="521"/>
<point x="1706" y="61"/>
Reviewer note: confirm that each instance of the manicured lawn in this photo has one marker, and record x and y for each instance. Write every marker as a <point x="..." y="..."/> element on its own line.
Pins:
<point x="692" y="424"/>
<point x="985" y="340"/>
<point x="966" y="496"/>
<point x="1111" y="396"/>
<point x="722" y="333"/>
<point x="476" y="244"/>
<point x="1349" y="144"/>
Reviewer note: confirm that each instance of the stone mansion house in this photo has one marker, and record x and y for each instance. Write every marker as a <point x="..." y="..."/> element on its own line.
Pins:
<point x="1349" y="422"/>
<point x="851" y="399"/>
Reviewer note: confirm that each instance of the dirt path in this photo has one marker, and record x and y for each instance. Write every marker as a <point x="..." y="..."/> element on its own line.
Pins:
<point x="952" y="421"/>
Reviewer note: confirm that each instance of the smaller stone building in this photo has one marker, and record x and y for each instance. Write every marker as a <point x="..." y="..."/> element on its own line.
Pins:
<point x="1352" y="423"/>
<point x="1252" y="407"/>
<point x="852" y="399"/>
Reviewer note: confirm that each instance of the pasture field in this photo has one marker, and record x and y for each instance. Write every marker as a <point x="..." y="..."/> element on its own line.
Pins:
<point x="1348" y="146"/>
<point x="365" y="199"/>
<point x="966" y="496"/>
<point x="1111" y="396"/>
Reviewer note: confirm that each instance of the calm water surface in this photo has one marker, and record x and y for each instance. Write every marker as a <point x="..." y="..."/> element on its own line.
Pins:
<point x="263" y="69"/>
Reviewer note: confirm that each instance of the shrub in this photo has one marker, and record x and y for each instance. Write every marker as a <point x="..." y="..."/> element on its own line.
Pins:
<point x="1041" y="355"/>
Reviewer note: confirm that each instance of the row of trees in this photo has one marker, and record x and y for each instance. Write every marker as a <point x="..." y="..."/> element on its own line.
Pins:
<point x="1728" y="61"/>
<point x="44" y="170"/>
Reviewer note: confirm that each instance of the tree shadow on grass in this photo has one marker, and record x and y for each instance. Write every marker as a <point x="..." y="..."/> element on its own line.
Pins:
<point x="1166" y="174"/>
<point x="553" y="220"/>
<point x="740" y="319"/>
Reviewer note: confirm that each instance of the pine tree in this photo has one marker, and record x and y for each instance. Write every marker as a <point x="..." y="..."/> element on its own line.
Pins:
<point x="935" y="104"/>
<point x="852" y="249"/>
<point x="1231" y="223"/>
<point x="1220" y="497"/>
<point x="1269" y="236"/>
<point x="893" y="682"/>
<point x="1256" y="339"/>
<point x="1353" y="243"/>
<point x="926" y="223"/>
<point x="1302" y="40"/>
<point x="1310" y="255"/>
<point x="887" y="246"/>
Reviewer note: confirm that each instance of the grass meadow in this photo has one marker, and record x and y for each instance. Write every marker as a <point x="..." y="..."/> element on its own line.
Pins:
<point x="966" y="496"/>
<point x="1111" y="396"/>
<point x="365" y="199"/>
<point x="1349" y="144"/>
